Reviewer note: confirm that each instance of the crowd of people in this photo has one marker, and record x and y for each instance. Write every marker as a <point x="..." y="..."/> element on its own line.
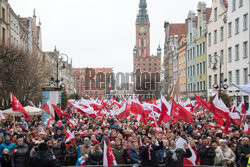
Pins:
<point x="31" y="143"/>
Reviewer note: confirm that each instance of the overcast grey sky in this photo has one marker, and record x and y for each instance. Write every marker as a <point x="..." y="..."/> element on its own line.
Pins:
<point x="101" y="33"/>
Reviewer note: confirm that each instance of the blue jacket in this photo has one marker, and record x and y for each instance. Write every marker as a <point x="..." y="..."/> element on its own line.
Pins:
<point x="9" y="146"/>
<point x="134" y="156"/>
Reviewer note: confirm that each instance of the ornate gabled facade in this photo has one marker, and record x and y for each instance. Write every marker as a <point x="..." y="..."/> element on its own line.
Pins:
<point x="191" y="54"/>
<point x="201" y="49"/>
<point x="216" y="45"/>
<point x="4" y="23"/>
<point x="143" y="61"/>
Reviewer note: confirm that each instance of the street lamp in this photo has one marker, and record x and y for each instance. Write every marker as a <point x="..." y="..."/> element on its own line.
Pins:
<point x="59" y="59"/>
<point x="214" y="62"/>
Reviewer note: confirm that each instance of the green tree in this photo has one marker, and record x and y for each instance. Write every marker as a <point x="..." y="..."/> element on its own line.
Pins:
<point x="64" y="100"/>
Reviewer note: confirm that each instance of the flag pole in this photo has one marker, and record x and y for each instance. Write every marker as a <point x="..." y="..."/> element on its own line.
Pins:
<point x="14" y="119"/>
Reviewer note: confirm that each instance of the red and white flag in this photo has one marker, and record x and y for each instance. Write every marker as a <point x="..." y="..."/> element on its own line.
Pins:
<point x="108" y="156"/>
<point x="47" y="110"/>
<point x="32" y="104"/>
<point x="235" y="118"/>
<point x="17" y="106"/>
<point x="2" y="116"/>
<point x="67" y="134"/>
<point x="218" y="108"/>
<point x="187" y="161"/>
<point x="72" y="122"/>
<point x="122" y="112"/>
<point x="71" y="139"/>
<point x="241" y="108"/>
<point x="60" y="112"/>
<point x="165" y="111"/>
<point x="137" y="109"/>
<point x="246" y="128"/>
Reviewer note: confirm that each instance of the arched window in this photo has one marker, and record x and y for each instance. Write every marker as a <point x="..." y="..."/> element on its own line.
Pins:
<point x="142" y="42"/>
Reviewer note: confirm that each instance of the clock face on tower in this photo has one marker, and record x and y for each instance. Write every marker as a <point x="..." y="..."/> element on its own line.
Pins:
<point x="142" y="30"/>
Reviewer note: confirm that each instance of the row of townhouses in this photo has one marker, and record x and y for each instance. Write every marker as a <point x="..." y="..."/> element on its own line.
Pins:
<point x="209" y="51"/>
<point x="24" y="33"/>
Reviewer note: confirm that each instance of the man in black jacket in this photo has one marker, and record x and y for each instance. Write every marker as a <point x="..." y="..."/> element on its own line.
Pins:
<point x="206" y="152"/>
<point x="148" y="153"/>
<point x="244" y="152"/>
<point x="41" y="158"/>
<point x="174" y="157"/>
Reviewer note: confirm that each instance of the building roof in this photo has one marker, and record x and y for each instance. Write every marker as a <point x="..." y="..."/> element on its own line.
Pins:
<point x="25" y="21"/>
<point x="177" y="29"/>
<point x="208" y="13"/>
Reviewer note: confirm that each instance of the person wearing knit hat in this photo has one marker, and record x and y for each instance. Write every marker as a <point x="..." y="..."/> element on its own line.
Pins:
<point x="96" y="142"/>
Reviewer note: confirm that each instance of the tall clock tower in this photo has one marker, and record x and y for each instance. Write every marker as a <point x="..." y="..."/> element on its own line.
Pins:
<point x="143" y="30"/>
<point x="145" y="64"/>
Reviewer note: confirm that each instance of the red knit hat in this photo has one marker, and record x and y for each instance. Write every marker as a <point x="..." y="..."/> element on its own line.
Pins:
<point x="96" y="142"/>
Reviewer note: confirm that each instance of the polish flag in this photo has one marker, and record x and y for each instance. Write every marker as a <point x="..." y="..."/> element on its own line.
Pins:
<point x="139" y="141"/>
<point x="47" y="110"/>
<point x="122" y="112"/>
<point x="137" y="109"/>
<point x="47" y="122"/>
<point x="241" y="108"/>
<point x="71" y="139"/>
<point x="147" y="108"/>
<point x="108" y="156"/>
<point x="17" y="106"/>
<point x="67" y="134"/>
<point x="165" y="111"/>
<point x="60" y="112"/>
<point x="246" y="128"/>
<point x="187" y="161"/>
<point x="72" y="122"/>
<point x="235" y="118"/>
<point x="116" y="103"/>
<point x="202" y="102"/>
<point x="210" y="125"/>
<point x="218" y="108"/>
<point x="2" y="116"/>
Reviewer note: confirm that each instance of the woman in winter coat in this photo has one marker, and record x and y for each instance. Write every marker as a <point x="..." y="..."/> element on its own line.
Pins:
<point x="228" y="155"/>
<point x="20" y="156"/>
<point x="96" y="154"/>
<point x="218" y="154"/>
<point x="6" y="158"/>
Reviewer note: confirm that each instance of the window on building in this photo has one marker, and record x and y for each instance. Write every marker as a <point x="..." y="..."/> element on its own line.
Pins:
<point x="198" y="69"/>
<point x="245" y="75"/>
<point x="222" y="56"/>
<point x="193" y="52"/>
<point x="3" y="14"/>
<point x="191" y="87"/>
<point x="237" y="77"/>
<point x="200" y="31"/>
<point x="215" y="78"/>
<point x="237" y="26"/>
<point x="204" y="47"/>
<point x="240" y="3"/>
<point x="198" y="86"/>
<point x="204" y="85"/>
<point x="222" y="33"/>
<point x="188" y="55"/>
<point x="233" y="5"/>
<point x="215" y="14"/>
<point x="209" y="60"/>
<point x="209" y="39"/>
<point x="222" y="76"/>
<point x="236" y="52"/>
<point x="201" y="49"/>
<point x="229" y="29"/>
<point x="3" y="36"/>
<point x="188" y="71"/>
<point x="190" y="35"/>
<point x="194" y="70"/>
<point x="245" y="49"/>
<point x="230" y="77"/>
<point x="210" y="82"/>
<point x="245" y="21"/>
<point x="204" y="67"/>
<point x="198" y="50"/>
<point x="194" y="87"/>
<point x="229" y="54"/>
<point x="215" y="36"/>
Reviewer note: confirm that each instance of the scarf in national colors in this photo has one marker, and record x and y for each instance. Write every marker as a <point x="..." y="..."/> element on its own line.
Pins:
<point x="149" y="152"/>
